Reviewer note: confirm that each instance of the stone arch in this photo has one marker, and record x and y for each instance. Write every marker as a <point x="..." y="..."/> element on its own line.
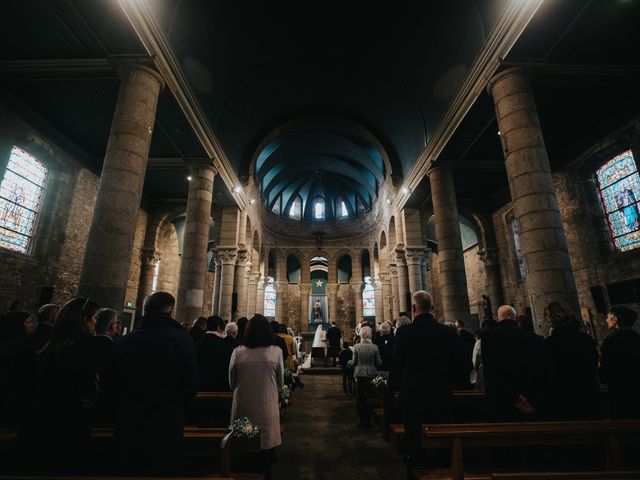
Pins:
<point x="376" y="260"/>
<point x="344" y="263"/>
<point x="384" y="250"/>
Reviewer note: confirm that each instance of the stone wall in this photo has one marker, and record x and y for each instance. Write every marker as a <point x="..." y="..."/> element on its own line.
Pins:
<point x="57" y="254"/>
<point x="136" y="257"/>
<point x="167" y="246"/>
<point x="476" y="279"/>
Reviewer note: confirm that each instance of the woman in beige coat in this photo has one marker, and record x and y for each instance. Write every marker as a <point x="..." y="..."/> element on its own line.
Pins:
<point x="255" y="374"/>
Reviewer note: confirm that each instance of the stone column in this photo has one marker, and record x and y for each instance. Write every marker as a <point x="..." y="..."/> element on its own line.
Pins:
<point x="238" y="284"/>
<point x="260" y="295"/>
<point x="193" y="261"/>
<point x="425" y="266"/>
<point x="332" y="289"/>
<point x="549" y="276"/>
<point x="305" y="291"/>
<point x="252" y="286"/>
<point x="149" y="258"/>
<point x="489" y="257"/>
<point x="395" y="292"/>
<point x="280" y="289"/>
<point x="403" y="280"/>
<point x="377" y="287"/>
<point x="245" y="297"/>
<point x="216" y="284"/>
<point x="387" y="297"/>
<point x="107" y="259"/>
<point x="453" y="279"/>
<point x="228" y="266"/>
<point x="414" y="258"/>
<point x="356" y="288"/>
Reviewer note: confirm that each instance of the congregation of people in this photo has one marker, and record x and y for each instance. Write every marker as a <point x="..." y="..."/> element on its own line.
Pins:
<point x="70" y="368"/>
<point x="524" y="376"/>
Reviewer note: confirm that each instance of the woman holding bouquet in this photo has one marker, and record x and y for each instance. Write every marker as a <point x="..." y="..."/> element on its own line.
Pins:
<point x="256" y="372"/>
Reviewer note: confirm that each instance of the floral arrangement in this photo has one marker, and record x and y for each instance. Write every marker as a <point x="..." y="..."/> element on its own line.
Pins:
<point x="381" y="380"/>
<point x="284" y="394"/>
<point x="288" y="377"/>
<point x="243" y="428"/>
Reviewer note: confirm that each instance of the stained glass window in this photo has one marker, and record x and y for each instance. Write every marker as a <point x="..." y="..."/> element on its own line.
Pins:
<point x="318" y="209"/>
<point x="295" y="211"/>
<point x="516" y="242"/>
<point x="269" y="299"/>
<point x="619" y="190"/>
<point x="21" y="194"/>
<point x="368" y="299"/>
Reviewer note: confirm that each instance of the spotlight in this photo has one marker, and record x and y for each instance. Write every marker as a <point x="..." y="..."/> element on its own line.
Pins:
<point x="406" y="190"/>
<point x="189" y="178"/>
<point x="253" y="200"/>
<point x="237" y="189"/>
<point x="388" y="201"/>
<point x="498" y="132"/>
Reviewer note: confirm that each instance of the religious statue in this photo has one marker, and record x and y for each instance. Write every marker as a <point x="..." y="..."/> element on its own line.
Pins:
<point x="317" y="312"/>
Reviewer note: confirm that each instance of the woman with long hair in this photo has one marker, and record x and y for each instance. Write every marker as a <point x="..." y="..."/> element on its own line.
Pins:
<point x="256" y="372"/>
<point x="66" y="387"/>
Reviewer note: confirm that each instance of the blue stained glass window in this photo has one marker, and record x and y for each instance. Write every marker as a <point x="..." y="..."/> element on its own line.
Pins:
<point x="318" y="209"/>
<point x="21" y="193"/>
<point x="619" y="190"/>
<point x="269" y="299"/>
<point x="368" y="299"/>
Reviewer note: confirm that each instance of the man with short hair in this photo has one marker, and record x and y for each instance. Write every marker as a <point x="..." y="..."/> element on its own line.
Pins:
<point x="231" y="335"/>
<point x="157" y="377"/>
<point x="619" y="363"/>
<point x="213" y="357"/>
<point x="46" y="319"/>
<point x="198" y="329"/>
<point x="334" y="335"/>
<point x="425" y="352"/>
<point x="510" y="360"/>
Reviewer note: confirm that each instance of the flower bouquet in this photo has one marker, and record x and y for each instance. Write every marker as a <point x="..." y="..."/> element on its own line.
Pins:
<point x="245" y="433"/>
<point x="284" y="394"/>
<point x="380" y="381"/>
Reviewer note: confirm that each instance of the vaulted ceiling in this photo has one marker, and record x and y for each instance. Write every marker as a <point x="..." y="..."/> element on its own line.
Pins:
<point x="329" y="99"/>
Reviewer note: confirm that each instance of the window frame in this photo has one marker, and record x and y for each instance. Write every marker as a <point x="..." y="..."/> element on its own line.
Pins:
<point x="41" y="208"/>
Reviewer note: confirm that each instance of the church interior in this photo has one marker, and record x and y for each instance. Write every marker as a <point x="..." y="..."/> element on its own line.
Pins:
<point x="318" y="164"/>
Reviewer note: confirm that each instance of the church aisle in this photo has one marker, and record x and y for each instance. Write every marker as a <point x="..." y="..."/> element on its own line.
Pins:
<point x="321" y="441"/>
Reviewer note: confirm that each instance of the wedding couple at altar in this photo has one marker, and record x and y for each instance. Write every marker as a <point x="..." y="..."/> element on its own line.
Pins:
<point x="319" y="341"/>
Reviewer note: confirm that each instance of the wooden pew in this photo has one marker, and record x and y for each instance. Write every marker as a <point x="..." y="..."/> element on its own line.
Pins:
<point x="610" y="475"/>
<point x="210" y="409"/>
<point x="458" y="437"/>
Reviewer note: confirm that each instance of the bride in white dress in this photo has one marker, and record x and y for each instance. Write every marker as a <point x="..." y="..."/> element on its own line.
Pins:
<point x="318" y="341"/>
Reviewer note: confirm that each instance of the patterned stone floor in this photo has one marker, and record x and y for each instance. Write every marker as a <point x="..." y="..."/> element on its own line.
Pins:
<point x="321" y="441"/>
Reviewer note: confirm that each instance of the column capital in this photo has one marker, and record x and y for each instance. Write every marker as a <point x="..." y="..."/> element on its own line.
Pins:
<point x="414" y="255"/>
<point x="523" y="72"/>
<point x="149" y="256"/>
<point x="194" y="164"/>
<point x="488" y="255"/>
<point x="241" y="257"/>
<point x="332" y="288"/>
<point x="227" y="256"/>
<point x="305" y="288"/>
<point x="128" y="67"/>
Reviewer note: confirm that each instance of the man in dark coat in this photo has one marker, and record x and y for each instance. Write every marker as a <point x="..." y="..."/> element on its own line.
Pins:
<point x="619" y="363"/>
<point x="510" y="359"/>
<point x="213" y="357"/>
<point x="157" y="377"/>
<point x="39" y="338"/>
<point x="198" y="329"/>
<point x="334" y="335"/>
<point x="425" y="351"/>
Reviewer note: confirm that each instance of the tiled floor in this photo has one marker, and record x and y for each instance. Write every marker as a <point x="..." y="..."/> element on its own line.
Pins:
<point x="321" y="441"/>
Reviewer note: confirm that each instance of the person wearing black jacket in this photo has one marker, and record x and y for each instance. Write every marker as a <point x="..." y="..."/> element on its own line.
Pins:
<point x="157" y="374"/>
<point x="619" y="363"/>
<point x="510" y="359"/>
<point x="570" y="389"/>
<point x="425" y="351"/>
<point x="213" y="358"/>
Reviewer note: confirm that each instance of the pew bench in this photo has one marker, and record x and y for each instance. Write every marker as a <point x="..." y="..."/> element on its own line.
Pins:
<point x="457" y="437"/>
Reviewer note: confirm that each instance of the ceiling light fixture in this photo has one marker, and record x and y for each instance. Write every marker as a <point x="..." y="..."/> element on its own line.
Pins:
<point x="189" y="178"/>
<point x="498" y="132"/>
<point x="388" y="201"/>
<point x="253" y="200"/>
<point x="406" y="190"/>
<point x="237" y="189"/>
